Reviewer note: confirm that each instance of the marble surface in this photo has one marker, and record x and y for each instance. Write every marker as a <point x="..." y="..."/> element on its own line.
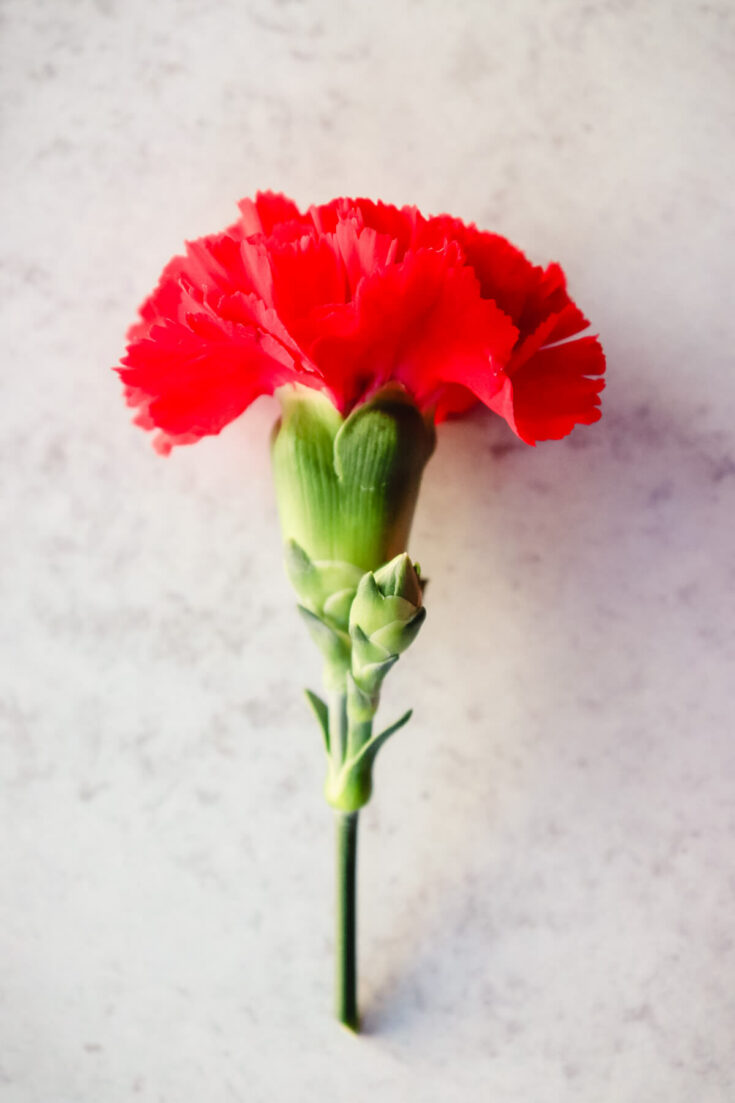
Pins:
<point x="547" y="879"/>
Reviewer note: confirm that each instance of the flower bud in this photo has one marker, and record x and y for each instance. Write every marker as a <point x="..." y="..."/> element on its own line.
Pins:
<point x="385" y="618"/>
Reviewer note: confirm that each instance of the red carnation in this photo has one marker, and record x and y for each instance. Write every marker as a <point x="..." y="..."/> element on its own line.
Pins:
<point x="372" y="323"/>
<point x="347" y="297"/>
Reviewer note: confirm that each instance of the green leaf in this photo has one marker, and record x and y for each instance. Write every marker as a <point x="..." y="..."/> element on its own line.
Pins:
<point x="371" y="748"/>
<point x="320" y="710"/>
<point x="333" y="645"/>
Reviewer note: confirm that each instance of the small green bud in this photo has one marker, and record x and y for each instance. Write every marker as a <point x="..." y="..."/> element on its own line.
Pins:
<point x="385" y="618"/>
<point x="387" y="606"/>
<point x="400" y="578"/>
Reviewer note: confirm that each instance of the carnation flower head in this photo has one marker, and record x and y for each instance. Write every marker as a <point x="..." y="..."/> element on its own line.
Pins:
<point x="346" y="298"/>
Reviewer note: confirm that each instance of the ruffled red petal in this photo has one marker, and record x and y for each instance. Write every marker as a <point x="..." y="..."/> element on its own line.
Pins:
<point x="557" y="388"/>
<point x="191" y="379"/>
<point x="268" y="211"/>
<point x="347" y="296"/>
<point x="421" y="322"/>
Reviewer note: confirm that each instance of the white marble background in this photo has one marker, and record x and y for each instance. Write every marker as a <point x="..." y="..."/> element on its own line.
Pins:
<point x="547" y="869"/>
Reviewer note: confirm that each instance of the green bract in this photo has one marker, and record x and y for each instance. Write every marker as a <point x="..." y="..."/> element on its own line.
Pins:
<point x="326" y="588"/>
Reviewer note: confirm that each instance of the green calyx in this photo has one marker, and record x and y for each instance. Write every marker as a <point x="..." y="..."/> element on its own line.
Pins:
<point x="347" y="487"/>
<point x="346" y="491"/>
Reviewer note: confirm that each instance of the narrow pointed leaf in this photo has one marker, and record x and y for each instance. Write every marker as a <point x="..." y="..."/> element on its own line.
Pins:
<point x="373" y="746"/>
<point x="320" y="710"/>
<point x="333" y="646"/>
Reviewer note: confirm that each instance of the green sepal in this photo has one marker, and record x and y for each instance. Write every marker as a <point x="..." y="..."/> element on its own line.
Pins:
<point x="320" y="710"/>
<point x="370" y="677"/>
<point x="331" y="643"/>
<point x="370" y="663"/>
<point x="299" y="566"/>
<point x="302" y="452"/>
<point x="337" y="608"/>
<point x="396" y="637"/>
<point x="364" y="650"/>
<point x="325" y="588"/>
<point x="400" y="578"/>
<point x="374" y="609"/>
<point x="347" y="489"/>
<point x="334" y="646"/>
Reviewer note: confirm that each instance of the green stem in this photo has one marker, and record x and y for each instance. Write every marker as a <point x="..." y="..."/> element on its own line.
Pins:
<point x="337" y="727"/>
<point x="345" y="935"/>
